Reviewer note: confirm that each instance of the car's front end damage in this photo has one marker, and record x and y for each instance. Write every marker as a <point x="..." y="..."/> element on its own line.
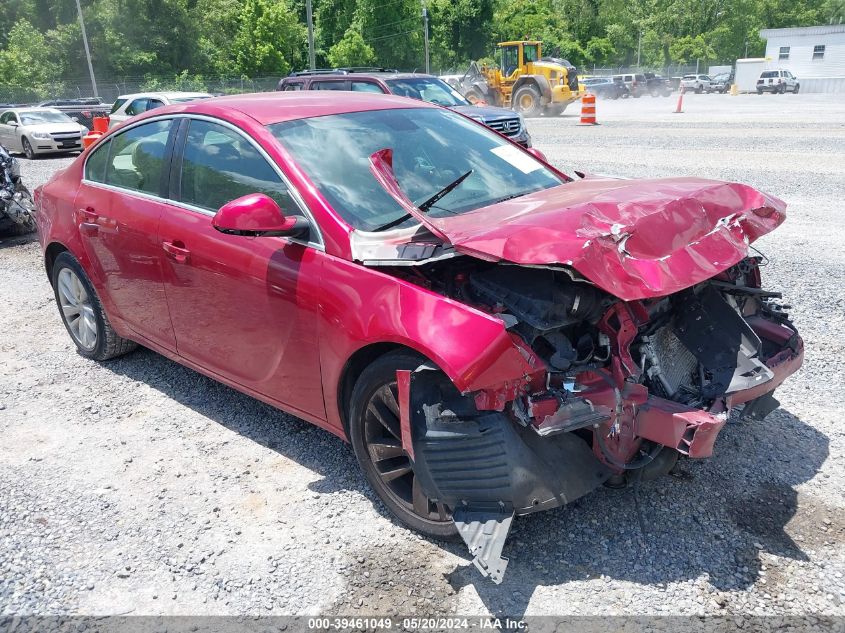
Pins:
<point x="640" y="324"/>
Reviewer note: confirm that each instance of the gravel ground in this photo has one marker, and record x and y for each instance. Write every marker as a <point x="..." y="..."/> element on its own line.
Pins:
<point x="141" y="487"/>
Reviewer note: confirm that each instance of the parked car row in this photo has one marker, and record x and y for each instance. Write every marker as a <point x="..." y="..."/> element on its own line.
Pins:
<point x="627" y="85"/>
<point x="417" y="86"/>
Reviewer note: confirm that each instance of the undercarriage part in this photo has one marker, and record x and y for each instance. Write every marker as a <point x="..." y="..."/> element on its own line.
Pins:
<point x="485" y="531"/>
<point x="759" y="408"/>
<point x="467" y="457"/>
<point x="662" y="463"/>
<point x="722" y="341"/>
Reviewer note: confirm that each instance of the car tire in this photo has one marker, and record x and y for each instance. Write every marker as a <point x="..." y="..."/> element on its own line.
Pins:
<point x="699" y="89"/>
<point x="27" y="148"/>
<point x="526" y="101"/>
<point x="759" y="92"/>
<point x="374" y="392"/>
<point x="90" y="330"/>
<point x="795" y="89"/>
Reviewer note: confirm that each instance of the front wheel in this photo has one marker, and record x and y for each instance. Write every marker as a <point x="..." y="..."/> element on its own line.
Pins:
<point x="83" y="314"/>
<point x="795" y="90"/>
<point x="377" y="441"/>
<point x="526" y="101"/>
<point x="699" y="89"/>
<point x="27" y="148"/>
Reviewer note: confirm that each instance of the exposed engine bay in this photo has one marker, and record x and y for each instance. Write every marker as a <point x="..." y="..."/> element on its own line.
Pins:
<point x="622" y="388"/>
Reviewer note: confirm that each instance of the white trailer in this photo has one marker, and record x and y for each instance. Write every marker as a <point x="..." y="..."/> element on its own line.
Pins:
<point x="748" y="72"/>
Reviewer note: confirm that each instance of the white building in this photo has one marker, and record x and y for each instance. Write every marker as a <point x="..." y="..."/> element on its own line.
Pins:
<point x="814" y="54"/>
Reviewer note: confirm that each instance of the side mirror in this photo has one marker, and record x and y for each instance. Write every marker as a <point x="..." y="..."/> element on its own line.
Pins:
<point x="257" y="214"/>
<point x="536" y="153"/>
<point x="13" y="123"/>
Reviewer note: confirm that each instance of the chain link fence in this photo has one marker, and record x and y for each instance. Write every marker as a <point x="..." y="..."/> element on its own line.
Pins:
<point x="110" y="88"/>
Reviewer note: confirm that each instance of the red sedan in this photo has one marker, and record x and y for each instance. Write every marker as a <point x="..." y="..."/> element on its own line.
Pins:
<point x="494" y="337"/>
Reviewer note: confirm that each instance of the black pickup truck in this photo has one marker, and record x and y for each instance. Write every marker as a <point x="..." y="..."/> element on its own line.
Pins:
<point x="82" y="111"/>
<point x="657" y="85"/>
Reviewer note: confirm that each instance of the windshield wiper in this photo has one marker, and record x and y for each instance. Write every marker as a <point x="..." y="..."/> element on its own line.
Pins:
<point x="425" y="206"/>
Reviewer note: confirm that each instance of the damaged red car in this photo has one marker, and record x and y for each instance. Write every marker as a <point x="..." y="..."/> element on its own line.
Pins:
<point x="493" y="336"/>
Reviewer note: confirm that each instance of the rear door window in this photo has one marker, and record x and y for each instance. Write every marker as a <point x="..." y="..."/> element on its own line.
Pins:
<point x="138" y="157"/>
<point x="329" y="85"/>
<point x="220" y="165"/>
<point x="366" y="86"/>
<point x="137" y="107"/>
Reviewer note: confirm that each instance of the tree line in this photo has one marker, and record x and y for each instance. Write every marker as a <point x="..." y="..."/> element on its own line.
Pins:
<point x="41" y="40"/>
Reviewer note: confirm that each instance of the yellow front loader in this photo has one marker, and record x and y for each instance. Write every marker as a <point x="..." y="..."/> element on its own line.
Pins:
<point x="524" y="80"/>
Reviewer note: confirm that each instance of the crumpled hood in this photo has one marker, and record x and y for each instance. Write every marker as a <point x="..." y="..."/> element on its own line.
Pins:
<point x="633" y="238"/>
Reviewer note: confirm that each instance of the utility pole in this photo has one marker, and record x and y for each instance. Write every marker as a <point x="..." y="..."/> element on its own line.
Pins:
<point x="746" y="49"/>
<point x="639" y="46"/>
<point x="425" y="34"/>
<point x="87" y="50"/>
<point x="312" y="64"/>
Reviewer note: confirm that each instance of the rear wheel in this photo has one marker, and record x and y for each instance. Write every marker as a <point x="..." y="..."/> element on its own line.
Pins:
<point x="377" y="442"/>
<point x="83" y="314"/>
<point x="526" y="101"/>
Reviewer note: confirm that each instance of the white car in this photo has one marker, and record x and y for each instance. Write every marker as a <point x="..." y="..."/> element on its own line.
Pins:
<point x="127" y="106"/>
<point x="777" y="81"/>
<point x="36" y="131"/>
<point x="699" y="83"/>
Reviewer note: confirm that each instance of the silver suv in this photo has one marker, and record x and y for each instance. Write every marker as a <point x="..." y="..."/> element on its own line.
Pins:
<point x="699" y="83"/>
<point x="777" y="81"/>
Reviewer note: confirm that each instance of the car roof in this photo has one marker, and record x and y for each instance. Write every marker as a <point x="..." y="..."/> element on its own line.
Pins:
<point x="274" y="107"/>
<point x="385" y="74"/>
<point x="34" y="109"/>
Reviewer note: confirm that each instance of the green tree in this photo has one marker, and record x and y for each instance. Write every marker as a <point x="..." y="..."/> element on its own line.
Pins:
<point x="25" y="62"/>
<point x="352" y="50"/>
<point x="270" y="40"/>
<point x="461" y="30"/>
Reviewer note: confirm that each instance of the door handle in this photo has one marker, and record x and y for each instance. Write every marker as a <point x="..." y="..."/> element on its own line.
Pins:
<point x="88" y="221"/>
<point x="176" y="251"/>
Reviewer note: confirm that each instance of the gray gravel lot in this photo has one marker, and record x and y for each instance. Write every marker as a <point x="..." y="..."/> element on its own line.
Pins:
<point x="139" y="486"/>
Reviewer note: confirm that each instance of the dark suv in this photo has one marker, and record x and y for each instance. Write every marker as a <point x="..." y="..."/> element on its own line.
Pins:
<point x="422" y="87"/>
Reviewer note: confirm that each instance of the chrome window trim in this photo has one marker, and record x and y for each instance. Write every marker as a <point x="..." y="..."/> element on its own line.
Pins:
<point x="295" y="194"/>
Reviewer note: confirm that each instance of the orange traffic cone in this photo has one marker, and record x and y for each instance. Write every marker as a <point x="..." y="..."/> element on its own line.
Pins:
<point x="588" y="109"/>
<point x="679" y="109"/>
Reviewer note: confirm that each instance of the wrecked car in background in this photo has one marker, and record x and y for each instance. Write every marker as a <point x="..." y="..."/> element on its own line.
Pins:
<point x="493" y="336"/>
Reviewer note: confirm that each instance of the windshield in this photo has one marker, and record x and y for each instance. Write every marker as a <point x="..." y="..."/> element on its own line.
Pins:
<point x="334" y="151"/>
<point x="427" y="89"/>
<point x="36" y="118"/>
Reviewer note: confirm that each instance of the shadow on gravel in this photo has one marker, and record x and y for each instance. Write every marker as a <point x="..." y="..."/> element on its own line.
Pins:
<point x="711" y="520"/>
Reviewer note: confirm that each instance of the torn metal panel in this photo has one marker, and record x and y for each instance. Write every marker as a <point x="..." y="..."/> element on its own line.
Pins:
<point x="485" y="532"/>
